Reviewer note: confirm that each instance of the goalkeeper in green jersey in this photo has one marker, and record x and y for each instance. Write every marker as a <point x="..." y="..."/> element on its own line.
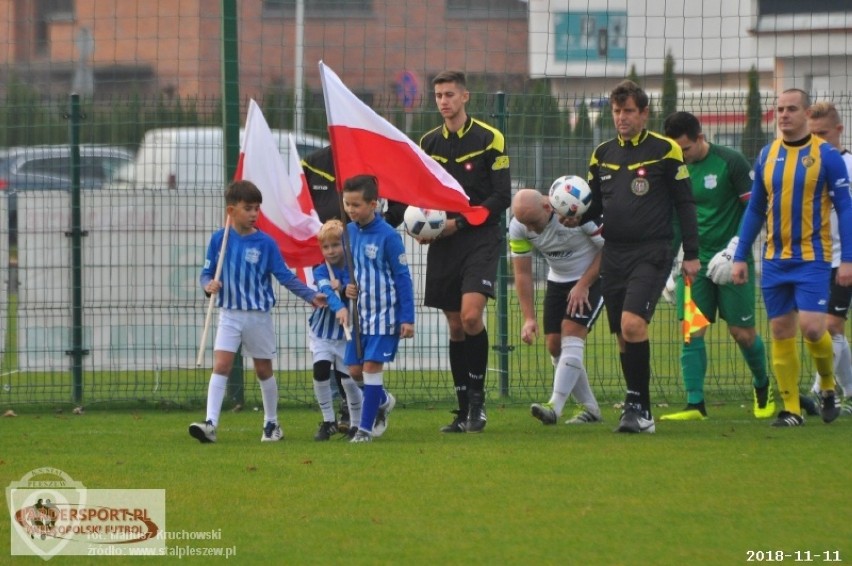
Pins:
<point x="721" y="185"/>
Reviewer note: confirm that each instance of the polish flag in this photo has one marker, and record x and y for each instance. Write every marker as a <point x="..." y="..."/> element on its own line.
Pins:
<point x="287" y="212"/>
<point x="366" y="143"/>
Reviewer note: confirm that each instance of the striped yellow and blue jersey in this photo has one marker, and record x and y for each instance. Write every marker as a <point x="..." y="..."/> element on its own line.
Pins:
<point x="795" y="185"/>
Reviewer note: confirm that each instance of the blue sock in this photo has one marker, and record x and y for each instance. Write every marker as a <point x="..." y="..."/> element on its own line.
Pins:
<point x="370" y="406"/>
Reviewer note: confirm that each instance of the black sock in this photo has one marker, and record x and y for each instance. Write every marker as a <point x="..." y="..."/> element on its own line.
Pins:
<point x="476" y="354"/>
<point x="636" y="364"/>
<point x="458" y="367"/>
<point x="632" y="396"/>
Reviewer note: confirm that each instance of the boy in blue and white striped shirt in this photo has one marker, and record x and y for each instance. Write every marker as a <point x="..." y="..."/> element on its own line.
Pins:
<point x="327" y="338"/>
<point x="245" y="299"/>
<point x="385" y="296"/>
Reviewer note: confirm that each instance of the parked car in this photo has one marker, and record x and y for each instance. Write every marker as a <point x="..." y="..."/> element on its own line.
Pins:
<point x="191" y="158"/>
<point x="48" y="167"/>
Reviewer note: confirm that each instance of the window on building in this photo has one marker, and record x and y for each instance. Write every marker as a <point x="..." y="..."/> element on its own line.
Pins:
<point x="778" y="7"/>
<point x="324" y="8"/>
<point x="48" y="12"/>
<point x="55" y="10"/>
<point x="478" y="9"/>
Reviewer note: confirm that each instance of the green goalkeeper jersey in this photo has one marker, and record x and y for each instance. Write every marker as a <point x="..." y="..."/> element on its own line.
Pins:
<point x="721" y="185"/>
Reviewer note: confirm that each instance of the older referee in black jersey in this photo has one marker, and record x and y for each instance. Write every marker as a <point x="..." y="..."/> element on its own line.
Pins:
<point x="638" y="179"/>
<point x="461" y="268"/>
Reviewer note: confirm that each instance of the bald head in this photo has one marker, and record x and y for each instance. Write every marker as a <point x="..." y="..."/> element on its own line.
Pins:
<point x="531" y="208"/>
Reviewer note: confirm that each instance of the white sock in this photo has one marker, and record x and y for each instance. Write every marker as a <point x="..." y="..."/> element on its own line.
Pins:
<point x="322" y="390"/>
<point x="567" y="372"/>
<point x="583" y="394"/>
<point x="216" y="390"/>
<point x="269" y="393"/>
<point x="354" y="398"/>
<point x="557" y="398"/>
<point x="842" y="363"/>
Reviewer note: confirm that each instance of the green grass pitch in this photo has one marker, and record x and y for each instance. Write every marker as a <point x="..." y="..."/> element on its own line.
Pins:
<point x="520" y="493"/>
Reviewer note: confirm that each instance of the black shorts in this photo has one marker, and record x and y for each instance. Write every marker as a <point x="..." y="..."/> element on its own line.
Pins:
<point x="633" y="277"/>
<point x="465" y="262"/>
<point x="556" y="302"/>
<point x="838" y="301"/>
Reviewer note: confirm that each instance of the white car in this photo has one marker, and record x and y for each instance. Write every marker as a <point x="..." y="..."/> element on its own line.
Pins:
<point x="48" y="167"/>
<point x="191" y="158"/>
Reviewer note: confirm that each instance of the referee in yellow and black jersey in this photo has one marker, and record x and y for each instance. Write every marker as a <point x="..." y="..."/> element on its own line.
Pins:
<point x="461" y="268"/>
<point x="638" y="179"/>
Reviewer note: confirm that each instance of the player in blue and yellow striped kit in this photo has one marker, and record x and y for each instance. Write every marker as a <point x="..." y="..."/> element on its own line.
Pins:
<point x="796" y="179"/>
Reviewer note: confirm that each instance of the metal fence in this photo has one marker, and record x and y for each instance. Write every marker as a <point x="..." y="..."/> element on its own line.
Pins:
<point x="142" y="311"/>
<point x="129" y="330"/>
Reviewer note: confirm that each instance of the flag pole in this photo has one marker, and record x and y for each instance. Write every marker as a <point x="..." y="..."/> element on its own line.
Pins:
<point x="334" y="280"/>
<point x="347" y="254"/>
<point x="347" y="248"/>
<point x="219" y="264"/>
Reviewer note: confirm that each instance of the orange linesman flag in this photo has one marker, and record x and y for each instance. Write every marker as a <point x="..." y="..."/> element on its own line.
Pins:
<point x="693" y="318"/>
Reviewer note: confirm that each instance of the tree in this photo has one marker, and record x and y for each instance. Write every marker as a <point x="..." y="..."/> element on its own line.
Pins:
<point x="583" y="126"/>
<point x="634" y="76"/>
<point x="669" y="102"/>
<point x="754" y="138"/>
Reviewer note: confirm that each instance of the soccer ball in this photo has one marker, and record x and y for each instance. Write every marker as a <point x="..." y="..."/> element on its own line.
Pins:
<point x="424" y="222"/>
<point x="570" y="195"/>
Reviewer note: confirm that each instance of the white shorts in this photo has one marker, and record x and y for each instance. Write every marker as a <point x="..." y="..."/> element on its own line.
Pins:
<point x="253" y="330"/>
<point x="325" y="350"/>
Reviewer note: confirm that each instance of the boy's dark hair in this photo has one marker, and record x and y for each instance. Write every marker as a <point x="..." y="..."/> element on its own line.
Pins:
<point x="679" y="124"/>
<point x="457" y="77"/>
<point x="367" y="185"/>
<point x="628" y="89"/>
<point x="242" y="191"/>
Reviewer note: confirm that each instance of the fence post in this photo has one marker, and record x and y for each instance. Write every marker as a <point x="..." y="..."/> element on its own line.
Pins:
<point x="502" y="343"/>
<point x="231" y="145"/>
<point x="76" y="234"/>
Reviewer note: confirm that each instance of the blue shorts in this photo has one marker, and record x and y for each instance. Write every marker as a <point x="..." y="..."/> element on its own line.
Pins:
<point x="378" y="348"/>
<point x="792" y="284"/>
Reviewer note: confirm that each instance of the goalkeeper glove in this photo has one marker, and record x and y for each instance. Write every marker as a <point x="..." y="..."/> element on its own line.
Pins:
<point x="721" y="266"/>
<point x="669" y="294"/>
<point x="669" y="291"/>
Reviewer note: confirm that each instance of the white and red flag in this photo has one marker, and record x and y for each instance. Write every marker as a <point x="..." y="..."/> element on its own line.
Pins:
<point x="364" y="143"/>
<point x="287" y="212"/>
